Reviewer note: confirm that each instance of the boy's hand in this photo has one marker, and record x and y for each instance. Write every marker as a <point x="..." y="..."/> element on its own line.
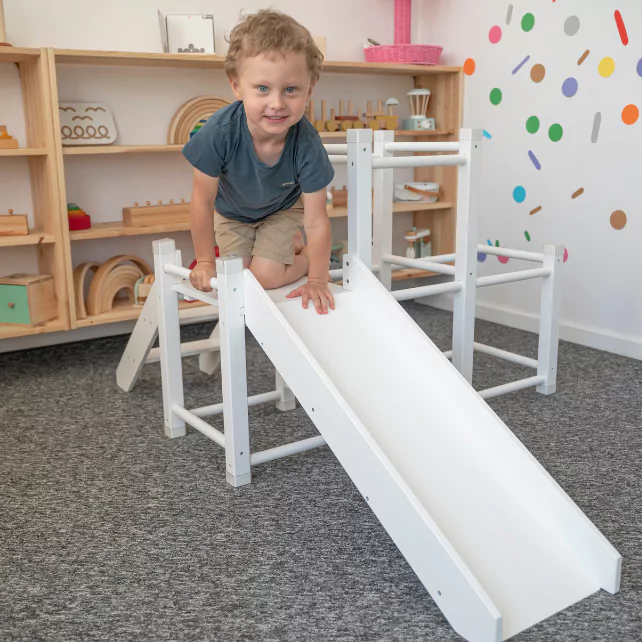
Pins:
<point x="201" y="276"/>
<point x="318" y="292"/>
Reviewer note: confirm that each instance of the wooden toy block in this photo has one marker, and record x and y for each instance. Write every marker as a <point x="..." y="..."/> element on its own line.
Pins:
<point x="324" y="113"/>
<point x="339" y="197"/>
<point x="156" y="214"/>
<point x="332" y="125"/>
<point x="6" y="141"/>
<point x="14" y="224"/>
<point x="27" y="299"/>
<point x="346" y="125"/>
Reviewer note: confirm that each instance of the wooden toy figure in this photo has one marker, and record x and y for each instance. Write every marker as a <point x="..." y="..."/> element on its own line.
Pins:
<point x="6" y="141"/>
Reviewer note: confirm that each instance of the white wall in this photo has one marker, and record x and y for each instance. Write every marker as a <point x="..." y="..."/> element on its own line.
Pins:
<point x="602" y="304"/>
<point x="144" y="100"/>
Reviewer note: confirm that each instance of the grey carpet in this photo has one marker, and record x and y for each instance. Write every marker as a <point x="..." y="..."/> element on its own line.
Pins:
<point x="111" y="531"/>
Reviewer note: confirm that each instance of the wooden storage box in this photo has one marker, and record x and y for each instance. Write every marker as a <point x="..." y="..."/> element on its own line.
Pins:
<point x="27" y="299"/>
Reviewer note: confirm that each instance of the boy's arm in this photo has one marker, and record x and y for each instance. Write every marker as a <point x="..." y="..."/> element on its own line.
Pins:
<point x="204" y="190"/>
<point x="319" y="238"/>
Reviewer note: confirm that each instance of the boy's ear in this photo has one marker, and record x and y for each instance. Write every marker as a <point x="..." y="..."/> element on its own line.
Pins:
<point x="312" y="84"/>
<point x="235" y="88"/>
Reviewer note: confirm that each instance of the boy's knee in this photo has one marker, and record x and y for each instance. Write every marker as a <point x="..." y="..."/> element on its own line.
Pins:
<point x="269" y="276"/>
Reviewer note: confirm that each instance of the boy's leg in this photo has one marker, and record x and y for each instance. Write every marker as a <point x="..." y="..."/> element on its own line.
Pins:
<point x="279" y="256"/>
<point x="234" y="238"/>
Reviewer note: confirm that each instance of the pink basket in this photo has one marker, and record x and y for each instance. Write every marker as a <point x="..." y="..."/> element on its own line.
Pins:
<point x="410" y="54"/>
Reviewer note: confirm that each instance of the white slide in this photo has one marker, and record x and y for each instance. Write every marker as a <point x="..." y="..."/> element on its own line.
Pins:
<point x="494" y="539"/>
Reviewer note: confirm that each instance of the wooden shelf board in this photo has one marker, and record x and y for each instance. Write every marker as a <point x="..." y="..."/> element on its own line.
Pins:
<point x="23" y="151"/>
<point x="116" y="229"/>
<point x="411" y="273"/>
<point x="125" y="311"/>
<point x="33" y="238"/>
<point x="83" y="150"/>
<point x="208" y="61"/>
<point x="11" y="330"/>
<point x="18" y="54"/>
<point x="397" y="208"/>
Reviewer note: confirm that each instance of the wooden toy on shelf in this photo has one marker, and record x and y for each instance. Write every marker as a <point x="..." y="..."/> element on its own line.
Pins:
<point x="87" y="124"/>
<point x="142" y="288"/>
<point x="27" y="299"/>
<point x="419" y="244"/>
<point x="339" y="197"/>
<point x="374" y="119"/>
<point x="6" y="141"/>
<point x="116" y="275"/>
<point x="191" y="116"/>
<point x="80" y="274"/>
<point x="419" y="99"/>
<point x="143" y="216"/>
<point x="78" y="219"/>
<point x="14" y="224"/>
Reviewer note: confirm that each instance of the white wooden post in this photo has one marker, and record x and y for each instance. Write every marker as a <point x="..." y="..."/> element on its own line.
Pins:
<point x="549" y="319"/>
<point x="382" y="217"/>
<point x="360" y="194"/>
<point x="169" y="337"/>
<point x="466" y="252"/>
<point x="233" y="370"/>
<point x="209" y="362"/>
<point x="287" y="400"/>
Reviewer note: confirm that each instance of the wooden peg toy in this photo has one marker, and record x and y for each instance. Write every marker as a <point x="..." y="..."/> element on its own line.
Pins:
<point x="6" y="141"/>
<point x="14" y="224"/>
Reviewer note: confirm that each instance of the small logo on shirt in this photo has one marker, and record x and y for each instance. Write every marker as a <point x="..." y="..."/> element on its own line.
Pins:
<point x="287" y="184"/>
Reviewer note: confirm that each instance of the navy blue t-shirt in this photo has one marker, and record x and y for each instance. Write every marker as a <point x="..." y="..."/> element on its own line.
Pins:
<point x="248" y="189"/>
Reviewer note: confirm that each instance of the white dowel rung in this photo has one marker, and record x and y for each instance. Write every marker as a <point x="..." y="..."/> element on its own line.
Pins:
<point x="440" y="258"/>
<point x="511" y="254"/>
<point x="510" y="277"/>
<point x="207" y="297"/>
<point x="513" y="386"/>
<point x="420" y="264"/>
<point x="337" y="159"/>
<point x="183" y="273"/>
<point x="217" y="408"/>
<point x="196" y="422"/>
<point x="188" y="349"/>
<point x="420" y="147"/>
<point x="334" y="148"/>
<point x="448" y="354"/>
<point x="288" y="449"/>
<point x="426" y="290"/>
<point x="418" y="161"/>
<point x="336" y="274"/>
<point x="505" y="355"/>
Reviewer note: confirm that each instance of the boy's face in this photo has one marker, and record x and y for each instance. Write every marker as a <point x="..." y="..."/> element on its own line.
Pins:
<point x="274" y="90"/>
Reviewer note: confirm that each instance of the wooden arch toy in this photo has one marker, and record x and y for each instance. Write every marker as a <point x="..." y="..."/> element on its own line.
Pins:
<point x="111" y="278"/>
<point x="190" y="114"/>
<point x="80" y="274"/>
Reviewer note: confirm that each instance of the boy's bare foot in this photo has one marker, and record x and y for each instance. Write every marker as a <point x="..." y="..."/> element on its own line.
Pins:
<point x="298" y="242"/>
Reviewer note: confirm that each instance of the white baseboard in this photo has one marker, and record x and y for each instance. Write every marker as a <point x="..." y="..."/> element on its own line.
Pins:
<point x="597" y="338"/>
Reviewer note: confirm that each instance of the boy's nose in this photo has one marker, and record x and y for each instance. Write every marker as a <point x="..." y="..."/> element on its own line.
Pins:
<point x="277" y="102"/>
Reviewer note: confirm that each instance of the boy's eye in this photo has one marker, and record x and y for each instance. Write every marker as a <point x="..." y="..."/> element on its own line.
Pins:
<point x="262" y="88"/>
<point x="290" y="90"/>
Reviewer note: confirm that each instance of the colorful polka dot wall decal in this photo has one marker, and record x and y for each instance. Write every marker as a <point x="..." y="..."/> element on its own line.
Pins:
<point x="496" y="96"/>
<point x="495" y="34"/>
<point x="489" y="242"/>
<point x="571" y="25"/>
<point x="597" y="121"/>
<point x="639" y="68"/>
<point x="503" y="259"/>
<point x="519" y="194"/>
<point x="469" y="67"/>
<point x="534" y="211"/>
<point x="606" y="67"/>
<point x="577" y="193"/>
<point x="521" y="64"/>
<point x="538" y="72"/>
<point x="486" y="134"/>
<point x="532" y="125"/>
<point x="555" y="132"/>
<point x="509" y="14"/>
<point x="618" y="220"/>
<point x="534" y="160"/>
<point x="528" y="22"/>
<point x="630" y="114"/>
<point x="527" y="235"/>
<point x="481" y="257"/>
<point x="624" y="37"/>
<point x="569" y="87"/>
<point x="565" y="255"/>
<point x="583" y="57"/>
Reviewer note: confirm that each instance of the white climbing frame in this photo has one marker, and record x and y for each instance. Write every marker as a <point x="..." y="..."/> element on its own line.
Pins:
<point x="466" y="155"/>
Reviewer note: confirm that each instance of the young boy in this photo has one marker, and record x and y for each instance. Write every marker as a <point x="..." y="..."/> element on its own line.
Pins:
<point x="265" y="165"/>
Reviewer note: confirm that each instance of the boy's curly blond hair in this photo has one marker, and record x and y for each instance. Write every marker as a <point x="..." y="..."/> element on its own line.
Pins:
<point x="269" y="30"/>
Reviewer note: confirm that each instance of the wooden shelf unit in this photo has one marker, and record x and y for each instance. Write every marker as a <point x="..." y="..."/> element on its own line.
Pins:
<point x="46" y="157"/>
<point x="46" y="239"/>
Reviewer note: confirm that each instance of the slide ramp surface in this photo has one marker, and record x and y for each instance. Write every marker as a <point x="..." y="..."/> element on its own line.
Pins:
<point x="495" y="540"/>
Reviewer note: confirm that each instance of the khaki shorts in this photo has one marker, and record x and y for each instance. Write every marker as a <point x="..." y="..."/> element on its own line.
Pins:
<point x="272" y="238"/>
